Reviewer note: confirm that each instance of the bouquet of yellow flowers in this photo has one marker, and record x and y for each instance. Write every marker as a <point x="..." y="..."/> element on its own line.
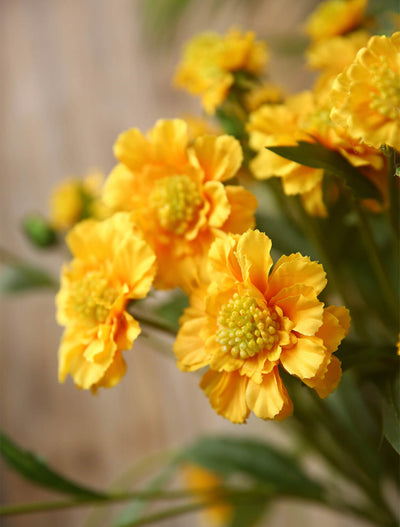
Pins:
<point x="263" y="239"/>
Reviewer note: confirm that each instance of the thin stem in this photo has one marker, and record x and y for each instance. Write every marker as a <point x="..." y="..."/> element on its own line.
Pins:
<point x="394" y="190"/>
<point x="373" y="253"/>
<point x="153" y="322"/>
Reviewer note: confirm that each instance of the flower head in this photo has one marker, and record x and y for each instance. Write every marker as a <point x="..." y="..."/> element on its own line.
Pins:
<point x="210" y="61"/>
<point x="76" y="199"/>
<point x="246" y="323"/>
<point x="112" y="265"/>
<point x="366" y="96"/>
<point x="176" y="194"/>
<point x="335" y="17"/>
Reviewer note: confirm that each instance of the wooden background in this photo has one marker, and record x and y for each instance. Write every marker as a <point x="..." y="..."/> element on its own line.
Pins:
<point x="74" y="74"/>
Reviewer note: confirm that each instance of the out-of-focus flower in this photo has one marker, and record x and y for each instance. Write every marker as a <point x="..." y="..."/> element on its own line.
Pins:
<point x="207" y="484"/>
<point x="331" y="56"/>
<point x="112" y="264"/>
<point x="177" y="196"/>
<point x="277" y="125"/>
<point x="265" y="93"/>
<point x="335" y="17"/>
<point x="246" y="323"/>
<point x="366" y="96"/>
<point x="76" y="199"/>
<point x="210" y="62"/>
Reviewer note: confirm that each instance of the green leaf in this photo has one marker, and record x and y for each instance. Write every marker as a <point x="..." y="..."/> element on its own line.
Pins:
<point x="260" y="461"/>
<point x="31" y="467"/>
<point x="18" y="277"/>
<point x="391" y="413"/>
<point x="315" y="155"/>
<point x="248" y="514"/>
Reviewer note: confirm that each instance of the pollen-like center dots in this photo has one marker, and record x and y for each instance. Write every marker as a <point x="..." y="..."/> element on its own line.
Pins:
<point x="245" y="328"/>
<point x="386" y="97"/>
<point x="92" y="297"/>
<point x="176" y="201"/>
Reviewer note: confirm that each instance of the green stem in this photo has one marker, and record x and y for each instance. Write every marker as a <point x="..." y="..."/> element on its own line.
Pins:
<point x="152" y="322"/>
<point x="373" y="253"/>
<point x="394" y="190"/>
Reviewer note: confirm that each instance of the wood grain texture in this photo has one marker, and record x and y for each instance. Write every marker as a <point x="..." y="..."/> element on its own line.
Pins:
<point x="74" y="74"/>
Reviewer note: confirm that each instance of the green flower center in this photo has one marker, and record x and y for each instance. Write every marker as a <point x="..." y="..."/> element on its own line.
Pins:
<point x="245" y="328"/>
<point x="386" y="98"/>
<point x="92" y="298"/>
<point x="176" y="200"/>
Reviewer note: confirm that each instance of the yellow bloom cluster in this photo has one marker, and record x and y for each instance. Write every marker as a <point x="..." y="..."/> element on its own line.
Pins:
<point x="176" y="193"/>
<point x="366" y="96"/>
<point x="112" y="265"/>
<point x="245" y="323"/>
<point x="211" y="60"/>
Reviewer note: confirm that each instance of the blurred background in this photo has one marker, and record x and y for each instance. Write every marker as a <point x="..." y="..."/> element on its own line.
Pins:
<point x="73" y="76"/>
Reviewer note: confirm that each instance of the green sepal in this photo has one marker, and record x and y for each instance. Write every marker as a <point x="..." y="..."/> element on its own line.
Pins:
<point x="38" y="231"/>
<point x="34" y="469"/>
<point x="315" y="155"/>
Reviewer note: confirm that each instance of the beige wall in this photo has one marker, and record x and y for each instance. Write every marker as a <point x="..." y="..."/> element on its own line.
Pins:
<point x="73" y="75"/>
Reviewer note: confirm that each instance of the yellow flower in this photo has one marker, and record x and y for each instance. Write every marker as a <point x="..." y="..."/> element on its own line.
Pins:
<point x="210" y="61"/>
<point x="331" y="56"/>
<point x="265" y="93"/>
<point x="278" y="125"/>
<point x="335" y="17"/>
<point x="176" y="193"/>
<point x="366" y="96"/>
<point x="248" y="322"/>
<point x="112" y="265"/>
<point x="75" y="199"/>
<point x="206" y="483"/>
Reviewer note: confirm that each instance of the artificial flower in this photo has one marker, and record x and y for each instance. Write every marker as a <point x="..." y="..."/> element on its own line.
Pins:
<point x="176" y="193"/>
<point x="210" y="62"/>
<point x="76" y="199"/>
<point x="206" y="483"/>
<point x="112" y="265"/>
<point x="366" y="96"/>
<point x="247" y="322"/>
<point x="335" y="17"/>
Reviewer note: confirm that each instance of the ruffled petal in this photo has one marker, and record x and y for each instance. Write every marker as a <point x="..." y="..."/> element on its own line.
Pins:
<point x="269" y="400"/>
<point x="307" y="359"/>
<point x="227" y="394"/>
<point x="219" y="157"/>
<point x="253" y="254"/>
<point x="189" y="345"/>
<point x="305" y="312"/>
<point x="324" y="385"/>
<point x="243" y="206"/>
<point x="132" y="149"/>
<point x="119" y="188"/>
<point x="335" y="326"/>
<point x="219" y="205"/>
<point x="169" y="142"/>
<point x="293" y="270"/>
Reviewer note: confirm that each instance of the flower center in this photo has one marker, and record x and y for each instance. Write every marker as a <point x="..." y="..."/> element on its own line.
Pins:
<point x="386" y="98"/>
<point x="92" y="297"/>
<point x="176" y="200"/>
<point x="245" y="328"/>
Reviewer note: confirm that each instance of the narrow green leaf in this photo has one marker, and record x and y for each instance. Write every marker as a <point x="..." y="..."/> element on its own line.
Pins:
<point x="315" y="155"/>
<point x="248" y="514"/>
<point x="21" y="277"/>
<point x="260" y="461"/>
<point x="391" y="413"/>
<point x="31" y="467"/>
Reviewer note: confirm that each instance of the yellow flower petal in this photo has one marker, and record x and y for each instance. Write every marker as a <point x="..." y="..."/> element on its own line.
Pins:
<point x="243" y="205"/>
<point x="306" y="359"/>
<point x="220" y="209"/>
<point x="325" y="384"/>
<point x="219" y="157"/>
<point x="335" y="326"/>
<point x="296" y="269"/>
<point x="226" y="392"/>
<point x="253" y="254"/>
<point x="304" y="311"/>
<point x="132" y="149"/>
<point x="269" y="400"/>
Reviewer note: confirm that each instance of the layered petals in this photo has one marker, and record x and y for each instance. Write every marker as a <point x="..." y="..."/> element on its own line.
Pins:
<point x="247" y="321"/>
